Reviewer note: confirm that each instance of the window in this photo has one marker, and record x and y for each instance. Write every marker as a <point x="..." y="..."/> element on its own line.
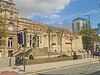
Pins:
<point x="30" y="40"/>
<point x="53" y="43"/>
<point x="34" y="42"/>
<point x="0" y="54"/>
<point x="10" y="28"/>
<point x="78" y="25"/>
<point x="11" y="13"/>
<point x="1" y="42"/>
<point x="58" y="40"/>
<point x="10" y="53"/>
<point x="11" y="18"/>
<point x="0" y="45"/>
<point x="37" y="41"/>
<point x="40" y="39"/>
<point x="10" y="42"/>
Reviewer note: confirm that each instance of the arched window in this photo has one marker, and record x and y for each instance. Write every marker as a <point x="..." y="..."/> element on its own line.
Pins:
<point x="10" y="42"/>
<point x="10" y="27"/>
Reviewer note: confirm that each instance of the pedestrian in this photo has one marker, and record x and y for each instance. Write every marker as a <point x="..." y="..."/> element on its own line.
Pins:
<point x="74" y="55"/>
<point x="17" y="61"/>
<point x="93" y="54"/>
<point x="31" y="57"/>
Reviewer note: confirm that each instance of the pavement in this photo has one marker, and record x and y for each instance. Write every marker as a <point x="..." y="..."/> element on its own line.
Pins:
<point x="46" y="66"/>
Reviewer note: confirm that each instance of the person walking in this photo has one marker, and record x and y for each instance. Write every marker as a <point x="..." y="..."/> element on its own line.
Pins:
<point x="74" y="55"/>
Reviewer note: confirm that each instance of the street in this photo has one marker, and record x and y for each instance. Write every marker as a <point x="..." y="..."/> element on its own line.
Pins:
<point x="89" y="69"/>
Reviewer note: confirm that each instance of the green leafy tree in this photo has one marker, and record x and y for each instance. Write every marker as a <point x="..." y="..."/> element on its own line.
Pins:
<point x="3" y="31"/>
<point x="87" y="37"/>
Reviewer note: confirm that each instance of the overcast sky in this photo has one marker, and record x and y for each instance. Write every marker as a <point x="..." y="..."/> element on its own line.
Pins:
<point x="54" y="11"/>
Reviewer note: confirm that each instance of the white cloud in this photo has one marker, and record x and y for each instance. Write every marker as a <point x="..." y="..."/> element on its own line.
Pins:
<point x="52" y="16"/>
<point x="28" y="8"/>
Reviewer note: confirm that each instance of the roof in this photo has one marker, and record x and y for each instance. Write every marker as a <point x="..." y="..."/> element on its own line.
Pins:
<point x="79" y="18"/>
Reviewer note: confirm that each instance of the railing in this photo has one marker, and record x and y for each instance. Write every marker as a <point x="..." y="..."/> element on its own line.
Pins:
<point x="21" y="51"/>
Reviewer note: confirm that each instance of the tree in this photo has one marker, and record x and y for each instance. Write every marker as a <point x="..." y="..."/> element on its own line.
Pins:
<point x="3" y="31"/>
<point x="49" y="33"/>
<point x="87" y="38"/>
<point x="61" y="35"/>
<point x="61" y="32"/>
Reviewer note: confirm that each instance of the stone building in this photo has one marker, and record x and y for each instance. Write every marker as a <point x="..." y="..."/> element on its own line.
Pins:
<point x="39" y="36"/>
<point x="10" y="13"/>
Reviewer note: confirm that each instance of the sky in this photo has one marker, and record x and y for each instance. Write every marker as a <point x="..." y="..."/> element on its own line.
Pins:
<point x="59" y="12"/>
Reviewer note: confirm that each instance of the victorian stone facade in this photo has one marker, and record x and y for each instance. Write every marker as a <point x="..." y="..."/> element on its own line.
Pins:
<point x="39" y="36"/>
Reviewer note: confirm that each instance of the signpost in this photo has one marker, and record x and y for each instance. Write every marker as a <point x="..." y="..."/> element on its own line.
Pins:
<point x="22" y="40"/>
<point x="24" y="45"/>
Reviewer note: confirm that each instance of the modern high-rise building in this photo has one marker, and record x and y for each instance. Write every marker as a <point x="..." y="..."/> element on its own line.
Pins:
<point x="79" y="24"/>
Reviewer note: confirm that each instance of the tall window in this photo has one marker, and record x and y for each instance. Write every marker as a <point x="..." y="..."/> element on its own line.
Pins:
<point x="40" y="39"/>
<point x="78" y="26"/>
<point x="10" y="27"/>
<point x="30" y="40"/>
<point x="37" y="41"/>
<point x="10" y="42"/>
<point x="10" y="53"/>
<point x="0" y="42"/>
<point x="58" y="39"/>
<point x="34" y="42"/>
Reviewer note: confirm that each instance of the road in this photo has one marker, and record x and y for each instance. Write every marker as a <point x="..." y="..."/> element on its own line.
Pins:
<point x="88" y="69"/>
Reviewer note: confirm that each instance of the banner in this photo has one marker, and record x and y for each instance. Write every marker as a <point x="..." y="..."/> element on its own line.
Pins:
<point x="67" y="39"/>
